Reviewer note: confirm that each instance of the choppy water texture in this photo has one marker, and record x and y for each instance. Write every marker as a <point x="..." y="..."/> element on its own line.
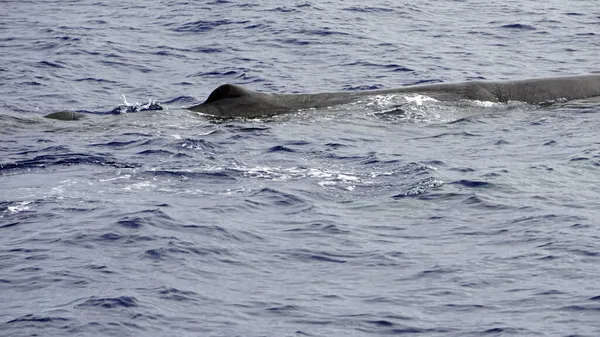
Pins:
<point x="374" y="218"/>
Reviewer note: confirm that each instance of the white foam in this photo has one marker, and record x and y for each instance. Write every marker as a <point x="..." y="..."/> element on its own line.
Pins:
<point x="20" y="207"/>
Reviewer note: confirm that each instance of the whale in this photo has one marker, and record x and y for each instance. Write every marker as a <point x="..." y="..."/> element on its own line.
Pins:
<point x="234" y="101"/>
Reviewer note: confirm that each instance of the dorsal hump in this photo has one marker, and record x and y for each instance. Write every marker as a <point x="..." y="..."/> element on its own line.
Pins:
<point x="227" y="91"/>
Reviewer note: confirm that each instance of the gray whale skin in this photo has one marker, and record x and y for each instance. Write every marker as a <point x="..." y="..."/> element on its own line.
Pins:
<point x="230" y="101"/>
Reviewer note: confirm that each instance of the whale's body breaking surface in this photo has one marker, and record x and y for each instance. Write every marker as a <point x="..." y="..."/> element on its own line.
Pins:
<point x="231" y="101"/>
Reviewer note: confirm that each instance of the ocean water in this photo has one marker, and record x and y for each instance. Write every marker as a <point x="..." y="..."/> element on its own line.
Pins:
<point x="369" y="219"/>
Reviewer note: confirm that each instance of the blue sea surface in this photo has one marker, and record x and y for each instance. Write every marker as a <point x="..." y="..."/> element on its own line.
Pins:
<point x="418" y="218"/>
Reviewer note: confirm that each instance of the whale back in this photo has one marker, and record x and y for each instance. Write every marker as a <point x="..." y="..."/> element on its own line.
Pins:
<point x="230" y="101"/>
<point x="228" y="91"/>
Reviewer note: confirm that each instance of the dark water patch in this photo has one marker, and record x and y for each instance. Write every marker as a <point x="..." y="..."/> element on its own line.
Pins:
<point x="220" y="233"/>
<point x="545" y="218"/>
<point x="472" y="183"/>
<point x="381" y="323"/>
<point x="462" y="169"/>
<point x="27" y="250"/>
<point x="32" y="83"/>
<point x="322" y="32"/>
<point x="286" y="310"/>
<point x="433" y="162"/>
<point x="427" y="81"/>
<point x="283" y="10"/>
<point x="435" y="196"/>
<point x="258" y="26"/>
<point x="162" y="153"/>
<point x="585" y="252"/>
<point x="109" y="302"/>
<point x="126" y="66"/>
<point x="390" y="67"/>
<point x="539" y="167"/>
<point x="181" y="99"/>
<point x="178" y="251"/>
<point x="367" y="9"/>
<point x="465" y="307"/>
<point x="370" y="159"/>
<point x="113" y="55"/>
<point x="105" y="239"/>
<point x="38" y="319"/>
<point x="219" y="2"/>
<point x="58" y="148"/>
<point x="202" y="26"/>
<point x="29" y="269"/>
<point x="209" y="230"/>
<point x="317" y="228"/>
<point x="174" y="294"/>
<point x="111" y="236"/>
<point x="504" y="331"/>
<point x="401" y="331"/>
<point x="115" y="144"/>
<point x="467" y="120"/>
<point x="97" y="22"/>
<point x="153" y="217"/>
<point x="69" y="159"/>
<point x="297" y="142"/>
<point x="67" y="38"/>
<point x="208" y="50"/>
<point x="95" y="80"/>
<point x="162" y="253"/>
<point x="218" y="74"/>
<point x="518" y="26"/>
<point x="45" y="64"/>
<point x="479" y="202"/>
<point x="99" y="268"/>
<point x="217" y="176"/>
<point x="397" y="68"/>
<point x="138" y="134"/>
<point x="437" y="271"/>
<point x="168" y="54"/>
<point x="452" y="134"/>
<point x="303" y="255"/>
<point x="280" y="148"/>
<point x="336" y="145"/>
<point x="550" y="293"/>
<point x="247" y="5"/>
<point x="237" y="128"/>
<point x="295" y="42"/>
<point x="269" y="197"/>
<point x="592" y="308"/>
<point x="9" y="224"/>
